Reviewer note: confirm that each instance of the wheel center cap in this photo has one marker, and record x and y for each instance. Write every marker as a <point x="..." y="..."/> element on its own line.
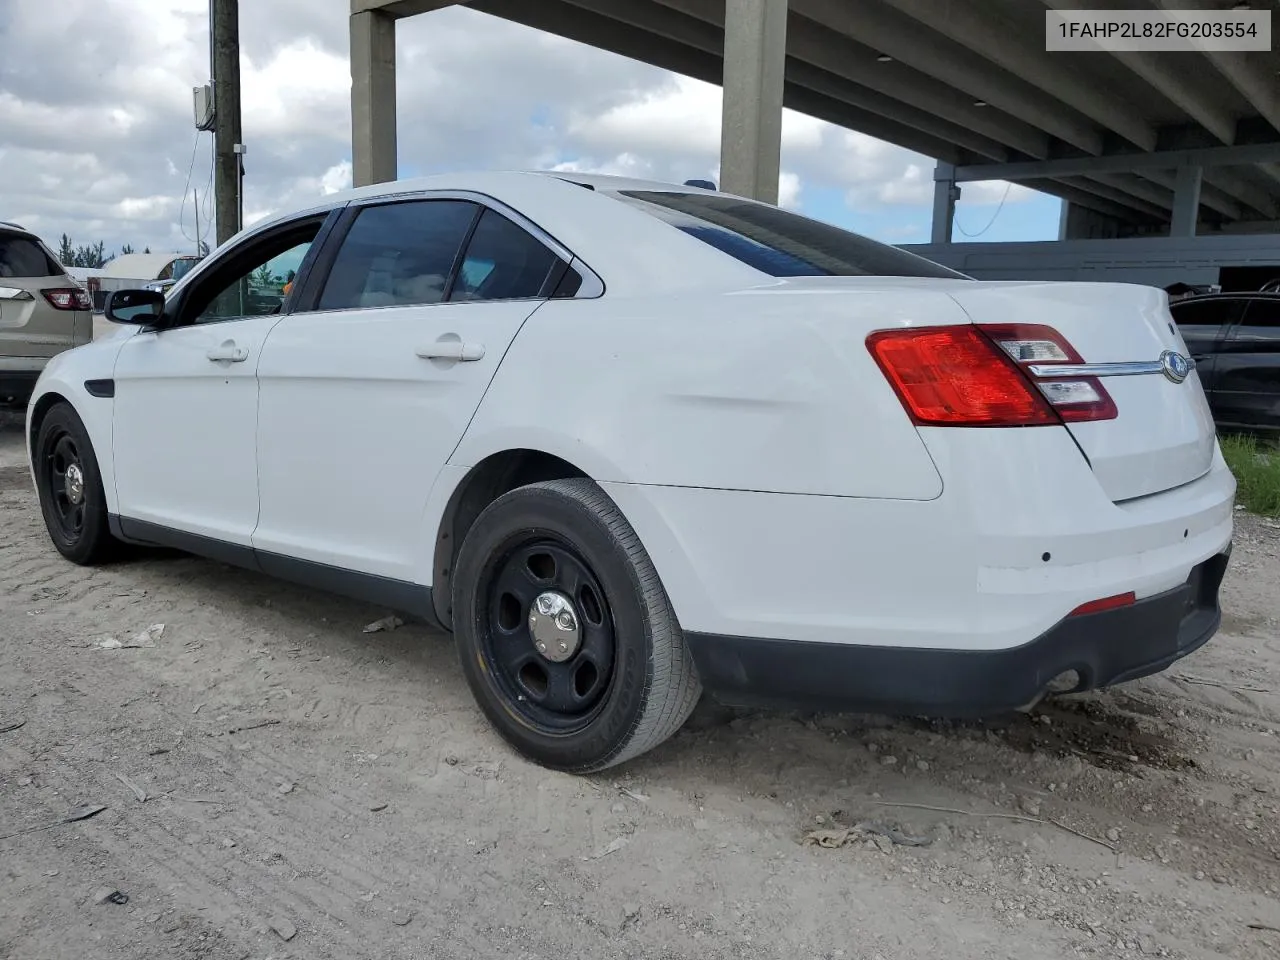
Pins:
<point x="554" y="625"/>
<point x="74" y="483"/>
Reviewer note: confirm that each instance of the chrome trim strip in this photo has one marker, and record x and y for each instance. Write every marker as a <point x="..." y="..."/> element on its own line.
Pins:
<point x="1132" y="368"/>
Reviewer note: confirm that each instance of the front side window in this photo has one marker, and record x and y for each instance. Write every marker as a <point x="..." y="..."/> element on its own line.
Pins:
<point x="398" y="254"/>
<point x="253" y="283"/>
<point x="503" y="262"/>
<point x="1262" y="312"/>
<point x="780" y="243"/>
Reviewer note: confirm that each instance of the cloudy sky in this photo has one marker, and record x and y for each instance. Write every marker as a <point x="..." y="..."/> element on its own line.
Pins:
<point x="97" y="138"/>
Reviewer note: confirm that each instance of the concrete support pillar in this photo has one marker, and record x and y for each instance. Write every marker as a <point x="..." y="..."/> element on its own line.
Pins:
<point x="945" y="194"/>
<point x="373" y="98"/>
<point x="1186" y="202"/>
<point x="755" y="53"/>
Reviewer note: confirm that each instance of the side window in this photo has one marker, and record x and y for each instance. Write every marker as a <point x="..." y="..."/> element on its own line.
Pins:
<point x="1206" y="313"/>
<point x="1262" y="313"/>
<point x="398" y="254"/>
<point x="252" y="284"/>
<point x="503" y="262"/>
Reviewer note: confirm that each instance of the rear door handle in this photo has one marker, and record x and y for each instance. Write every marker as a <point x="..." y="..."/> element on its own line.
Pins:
<point x="452" y="350"/>
<point x="228" y="351"/>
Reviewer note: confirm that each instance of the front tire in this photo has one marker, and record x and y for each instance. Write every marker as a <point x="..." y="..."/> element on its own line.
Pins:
<point x="70" y="489"/>
<point x="565" y="633"/>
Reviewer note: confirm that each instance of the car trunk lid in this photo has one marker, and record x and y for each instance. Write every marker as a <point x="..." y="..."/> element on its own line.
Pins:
<point x="1163" y="434"/>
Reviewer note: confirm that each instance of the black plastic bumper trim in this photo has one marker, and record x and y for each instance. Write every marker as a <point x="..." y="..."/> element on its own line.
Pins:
<point x="1113" y="646"/>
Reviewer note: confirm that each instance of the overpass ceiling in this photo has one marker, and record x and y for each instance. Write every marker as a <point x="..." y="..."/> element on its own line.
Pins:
<point x="968" y="82"/>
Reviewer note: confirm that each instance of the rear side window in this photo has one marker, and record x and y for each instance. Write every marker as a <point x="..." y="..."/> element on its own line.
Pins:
<point x="26" y="257"/>
<point x="780" y="243"/>
<point x="398" y="254"/>
<point x="503" y="262"/>
<point x="1206" y="313"/>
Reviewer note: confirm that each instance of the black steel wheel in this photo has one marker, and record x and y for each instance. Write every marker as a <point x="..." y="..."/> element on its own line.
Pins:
<point x="70" y="488"/>
<point x="549" y="633"/>
<point x="64" y="477"/>
<point x="565" y="633"/>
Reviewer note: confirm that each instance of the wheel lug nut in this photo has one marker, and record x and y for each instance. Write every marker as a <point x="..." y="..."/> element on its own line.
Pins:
<point x="563" y="646"/>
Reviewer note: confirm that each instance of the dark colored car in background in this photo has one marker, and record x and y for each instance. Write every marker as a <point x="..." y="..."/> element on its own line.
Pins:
<point x="1235" y="341"/>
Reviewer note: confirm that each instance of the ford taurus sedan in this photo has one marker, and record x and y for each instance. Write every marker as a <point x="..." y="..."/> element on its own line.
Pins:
<point x="631" y="441"/>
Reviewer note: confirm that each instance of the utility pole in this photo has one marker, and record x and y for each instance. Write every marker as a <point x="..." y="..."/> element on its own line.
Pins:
<point x="225" y="28"/>
<point x="195" y="199"/>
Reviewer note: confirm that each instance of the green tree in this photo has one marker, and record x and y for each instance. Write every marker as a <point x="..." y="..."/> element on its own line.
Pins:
<point x="66" y="252"/>
<point x="90" y="255"/>
<point x="126" y="249"/>
<point x="263" y="277"/>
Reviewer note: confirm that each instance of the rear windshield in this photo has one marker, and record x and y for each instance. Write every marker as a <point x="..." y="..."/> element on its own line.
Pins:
<point x="22" y="256"/>
<point x="780" y="243"/>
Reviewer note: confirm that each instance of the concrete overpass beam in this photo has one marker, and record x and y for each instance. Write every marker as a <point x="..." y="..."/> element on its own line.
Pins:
<point x="755" y="54"/>
<point x="373" y="97"/>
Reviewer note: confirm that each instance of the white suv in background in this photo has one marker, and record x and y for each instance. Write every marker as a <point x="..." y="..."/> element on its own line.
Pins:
<point x="42" y="312"/>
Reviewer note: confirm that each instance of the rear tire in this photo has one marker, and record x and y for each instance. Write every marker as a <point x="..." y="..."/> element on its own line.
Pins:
<point x="614" y="678"/>
<point x="70" y="488"/>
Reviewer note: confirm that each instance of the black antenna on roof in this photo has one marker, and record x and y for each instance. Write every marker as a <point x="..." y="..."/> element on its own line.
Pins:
<point x="704" y="184"/>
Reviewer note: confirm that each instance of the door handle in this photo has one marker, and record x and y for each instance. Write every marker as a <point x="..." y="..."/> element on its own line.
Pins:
<point x="228" y="351"/>
<point x="452" y="350"/>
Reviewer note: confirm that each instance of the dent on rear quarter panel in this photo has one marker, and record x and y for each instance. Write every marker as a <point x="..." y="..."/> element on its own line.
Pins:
<point x="730" y="391"/>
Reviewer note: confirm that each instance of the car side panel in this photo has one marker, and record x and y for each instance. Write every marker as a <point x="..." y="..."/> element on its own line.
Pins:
<point x="745" y="391"/>
<point x="1247" y="372"/>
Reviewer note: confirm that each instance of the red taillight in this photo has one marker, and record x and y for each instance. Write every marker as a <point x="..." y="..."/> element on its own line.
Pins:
<point x="1106" y="603"/>
<point x="1074" y="398"/>
<point x="982" y="376"/>
<point x="953" y="376"/>
<point x="68" y="298"/>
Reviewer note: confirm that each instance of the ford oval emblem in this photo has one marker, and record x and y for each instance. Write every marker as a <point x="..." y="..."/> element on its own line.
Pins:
<point x="1175" y="366"/>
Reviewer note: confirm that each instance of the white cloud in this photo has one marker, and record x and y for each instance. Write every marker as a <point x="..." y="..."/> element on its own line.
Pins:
<point x="789" y="190"/>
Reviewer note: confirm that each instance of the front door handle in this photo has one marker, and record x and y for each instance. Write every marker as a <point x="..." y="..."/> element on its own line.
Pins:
<point x="229" y="352"/>
<point x="452" y="350"/>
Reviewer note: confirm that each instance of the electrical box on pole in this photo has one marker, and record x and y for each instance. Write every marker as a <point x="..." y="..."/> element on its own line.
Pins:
<point x="202" y="97"/>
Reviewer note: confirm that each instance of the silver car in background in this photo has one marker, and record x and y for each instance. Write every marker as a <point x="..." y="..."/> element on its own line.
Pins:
<point x="42" y="311"/>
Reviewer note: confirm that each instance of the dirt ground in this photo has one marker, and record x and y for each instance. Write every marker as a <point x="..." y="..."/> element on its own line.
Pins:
<point x="313" y="791"/>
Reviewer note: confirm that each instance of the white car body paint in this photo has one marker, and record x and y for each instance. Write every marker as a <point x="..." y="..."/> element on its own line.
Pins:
<point x="738" y="421"/>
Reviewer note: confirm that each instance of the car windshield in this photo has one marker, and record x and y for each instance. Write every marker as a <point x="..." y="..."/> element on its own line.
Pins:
<point x="780" y="243"/>
<point x="182" y="267"/>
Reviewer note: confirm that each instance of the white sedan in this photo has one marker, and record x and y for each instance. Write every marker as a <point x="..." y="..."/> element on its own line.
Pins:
<point x="630" y="441"/>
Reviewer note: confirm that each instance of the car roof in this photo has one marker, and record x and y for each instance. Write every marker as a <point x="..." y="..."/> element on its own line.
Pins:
<point x="508" y="179"/>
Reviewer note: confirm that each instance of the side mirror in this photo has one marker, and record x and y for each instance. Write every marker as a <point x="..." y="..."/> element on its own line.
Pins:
<point x="139" y="307"/>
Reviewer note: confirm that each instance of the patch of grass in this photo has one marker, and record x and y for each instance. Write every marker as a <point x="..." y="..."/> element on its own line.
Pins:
<point x="1257" y="469"/>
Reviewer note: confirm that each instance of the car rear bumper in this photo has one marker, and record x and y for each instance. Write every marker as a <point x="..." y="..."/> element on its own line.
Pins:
<point x="1080" y="653"/>
<point x="18" y="376"/>
<point x="1012" y="546"/>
